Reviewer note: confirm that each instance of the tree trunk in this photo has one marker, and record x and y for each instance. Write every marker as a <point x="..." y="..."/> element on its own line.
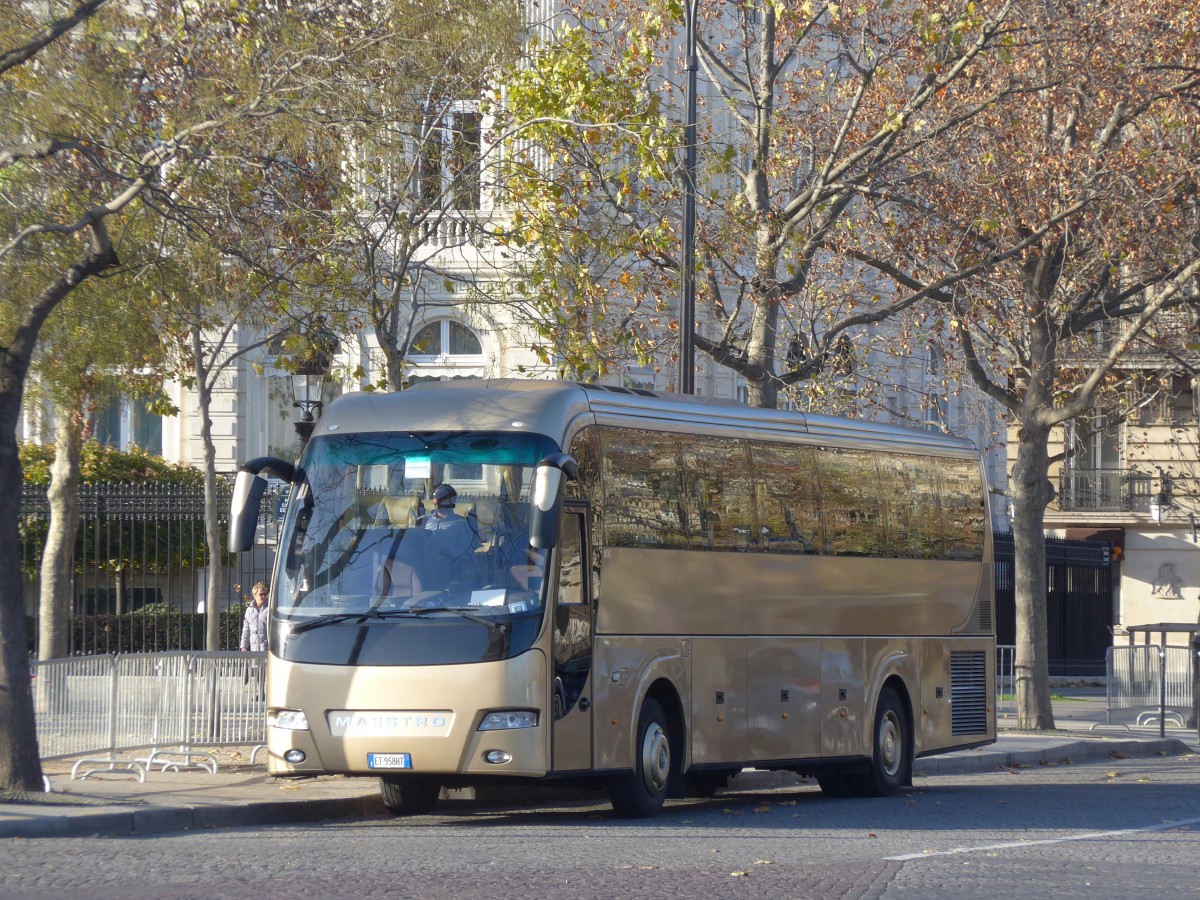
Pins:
<point x="212" y="530"/>
<point x="58" y="558"/>
<point x="1031" y="492"/>
<point x="762" y="385"/>
<point x="20" y="765"/>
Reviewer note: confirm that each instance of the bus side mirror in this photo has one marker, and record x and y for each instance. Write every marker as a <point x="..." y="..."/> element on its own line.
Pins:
<point x="247" y="495"/>
<point x="243" y="510"/>
<point x="545" y="515"/>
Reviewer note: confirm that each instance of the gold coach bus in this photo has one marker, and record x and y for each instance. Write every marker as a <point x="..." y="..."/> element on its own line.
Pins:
<point x="487" y="581"/>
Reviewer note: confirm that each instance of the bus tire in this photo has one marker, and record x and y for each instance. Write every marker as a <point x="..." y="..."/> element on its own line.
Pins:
<point x="891" y="750"/>
<point x="640" y="794"/>
<point x="408" y="795"/>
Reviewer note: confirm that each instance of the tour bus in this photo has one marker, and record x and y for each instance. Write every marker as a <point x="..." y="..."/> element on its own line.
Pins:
<point x="489" y="581"/>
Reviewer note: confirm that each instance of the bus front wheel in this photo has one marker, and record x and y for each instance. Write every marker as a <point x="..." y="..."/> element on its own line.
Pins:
<point x="891" y="753"/>
<point x="408" y="795"/>
<point x="640" y="794"/>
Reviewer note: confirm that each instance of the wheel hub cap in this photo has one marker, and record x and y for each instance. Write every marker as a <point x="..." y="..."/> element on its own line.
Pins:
<point x="656" y="759"/>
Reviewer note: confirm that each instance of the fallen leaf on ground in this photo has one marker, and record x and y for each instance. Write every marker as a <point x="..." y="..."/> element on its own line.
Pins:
<point x="739" y="874"/>
<point x="766" y="807"/>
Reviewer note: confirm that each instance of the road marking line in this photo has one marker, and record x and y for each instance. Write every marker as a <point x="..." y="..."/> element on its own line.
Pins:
<point x="1164" y="826"/>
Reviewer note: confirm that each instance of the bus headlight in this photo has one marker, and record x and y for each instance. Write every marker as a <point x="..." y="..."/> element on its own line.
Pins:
<point x="504" y="719"/>
<point x="288" y="719"/>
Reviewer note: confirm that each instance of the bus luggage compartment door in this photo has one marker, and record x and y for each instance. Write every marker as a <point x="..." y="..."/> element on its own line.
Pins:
<point x="719" y="708"/>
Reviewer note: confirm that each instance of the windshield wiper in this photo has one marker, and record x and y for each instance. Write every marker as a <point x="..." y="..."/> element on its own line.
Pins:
<point x="416" y="613"/>
<point x="498" y="627"/>
<point x="334" y="618"/>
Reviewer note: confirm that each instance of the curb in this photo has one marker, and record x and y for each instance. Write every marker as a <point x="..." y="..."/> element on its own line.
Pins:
<point x="143" y="820"/>
<point x="1080" y="751"/>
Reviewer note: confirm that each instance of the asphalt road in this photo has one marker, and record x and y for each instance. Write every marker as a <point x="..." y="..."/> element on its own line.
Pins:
<point x="1116" y="829"/>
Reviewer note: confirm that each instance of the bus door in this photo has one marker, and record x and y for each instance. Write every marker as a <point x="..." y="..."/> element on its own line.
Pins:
<point x="574" y="615"/>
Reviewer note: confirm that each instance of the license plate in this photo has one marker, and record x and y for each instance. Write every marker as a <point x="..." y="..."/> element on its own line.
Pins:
<point x="389" y="760"/>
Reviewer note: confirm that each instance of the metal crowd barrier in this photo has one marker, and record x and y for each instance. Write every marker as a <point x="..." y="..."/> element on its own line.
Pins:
<point x="170" y="705"/>
<point x="1150" y="685"/>
<point x="1006" y="698"/>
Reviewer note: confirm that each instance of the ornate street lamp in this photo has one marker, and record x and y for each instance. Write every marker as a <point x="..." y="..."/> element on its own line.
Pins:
<point x="1161" y="503"/>
<point x="309" y="376"/>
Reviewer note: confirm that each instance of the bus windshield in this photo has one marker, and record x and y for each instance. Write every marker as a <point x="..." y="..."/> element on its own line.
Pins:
<point x="396" y="530"/>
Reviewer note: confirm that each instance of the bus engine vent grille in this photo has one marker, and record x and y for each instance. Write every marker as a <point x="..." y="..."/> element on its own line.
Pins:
<point x="968" y="692"/>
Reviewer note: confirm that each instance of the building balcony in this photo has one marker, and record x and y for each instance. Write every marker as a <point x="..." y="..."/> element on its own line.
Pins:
<point x="1105" y="491"/>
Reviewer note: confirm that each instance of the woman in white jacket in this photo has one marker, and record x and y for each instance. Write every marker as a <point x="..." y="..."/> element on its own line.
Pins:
<point x="254" y="626"/>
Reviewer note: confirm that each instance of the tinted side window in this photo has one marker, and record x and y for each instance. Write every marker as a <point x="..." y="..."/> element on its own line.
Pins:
<point x="720" y="502"/>
<point x="850" y="502"/>
<point x="962" y="505"/>
<point x="785" y="493"/>
<point x="644" y="506"/>
<point x="912" y="508"/>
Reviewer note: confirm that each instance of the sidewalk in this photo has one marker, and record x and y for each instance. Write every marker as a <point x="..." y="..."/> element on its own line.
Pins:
<point x="240" y="794"/>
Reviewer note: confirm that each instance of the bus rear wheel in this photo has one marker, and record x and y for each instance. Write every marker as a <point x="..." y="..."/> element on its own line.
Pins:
<point x="408" y="795"/>
<point x="891" y="753"/>
<point x="640" y="794"/>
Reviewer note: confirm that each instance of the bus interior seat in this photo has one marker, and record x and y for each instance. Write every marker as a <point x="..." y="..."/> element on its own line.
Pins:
<point x="484" y="514"/>
<point x="404" y="510"/>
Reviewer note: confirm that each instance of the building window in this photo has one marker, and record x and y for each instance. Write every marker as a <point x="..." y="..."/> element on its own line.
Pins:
<point x="445" y="349"/>
<point x="449" y="164"/>
<point x="125" y="423"/>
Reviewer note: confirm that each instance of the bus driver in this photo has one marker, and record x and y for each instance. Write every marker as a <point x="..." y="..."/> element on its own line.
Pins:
<point x="453" y="536"/>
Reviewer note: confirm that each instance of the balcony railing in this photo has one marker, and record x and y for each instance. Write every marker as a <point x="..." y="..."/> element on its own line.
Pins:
<point x="1105" y="490"/>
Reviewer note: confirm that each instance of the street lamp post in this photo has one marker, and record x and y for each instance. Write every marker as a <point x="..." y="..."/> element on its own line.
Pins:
<point x="309" y="377"/>
<point x="687" y="282"/>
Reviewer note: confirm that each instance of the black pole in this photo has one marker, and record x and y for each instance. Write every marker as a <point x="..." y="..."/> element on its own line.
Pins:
<point x="1162" y="688"/>
<point x="687" y="303"/>
<point x="304" y="428"/>
<point x="1195" y="644"/>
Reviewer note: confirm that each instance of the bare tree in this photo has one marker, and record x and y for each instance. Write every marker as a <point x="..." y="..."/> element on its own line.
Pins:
<point x="810" y="118"/>
<point x="1074" y="209"/>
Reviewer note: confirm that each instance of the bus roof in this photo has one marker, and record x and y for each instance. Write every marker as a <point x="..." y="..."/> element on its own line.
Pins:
<point x="557" y="408"/>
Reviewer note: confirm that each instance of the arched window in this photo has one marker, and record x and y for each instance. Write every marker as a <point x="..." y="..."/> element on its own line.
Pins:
<point x="445" y="349"/>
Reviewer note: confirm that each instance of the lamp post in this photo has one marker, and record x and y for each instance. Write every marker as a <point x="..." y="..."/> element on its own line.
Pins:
<point x="309" y="377"/>
<point x="1160" y="503"/>
<point x="687" y="283"/>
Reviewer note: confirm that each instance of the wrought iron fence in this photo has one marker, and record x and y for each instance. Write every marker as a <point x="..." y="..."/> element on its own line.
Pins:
<point x="1079" y="602"/>
<point x="141" y="560"/>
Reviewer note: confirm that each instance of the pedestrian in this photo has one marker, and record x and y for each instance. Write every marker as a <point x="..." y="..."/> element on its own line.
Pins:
<point x="254" y="626"/>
